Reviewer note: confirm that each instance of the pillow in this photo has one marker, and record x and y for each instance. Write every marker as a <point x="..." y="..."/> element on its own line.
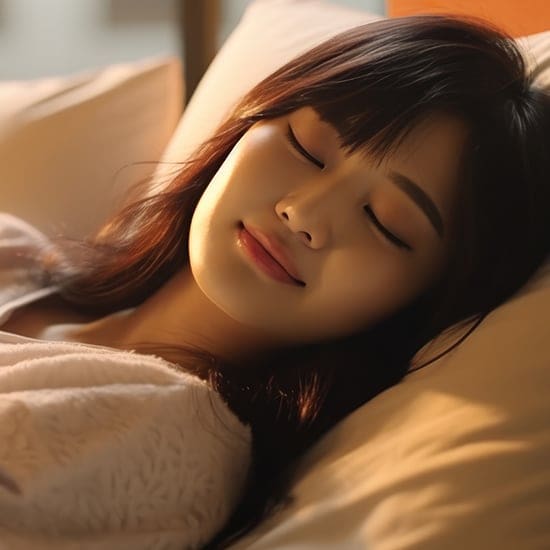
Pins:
<point x="62" y="140"/>
<point x="536" y="50"/>
<point x="455" y="456"/>
<point x="270" y="33"/>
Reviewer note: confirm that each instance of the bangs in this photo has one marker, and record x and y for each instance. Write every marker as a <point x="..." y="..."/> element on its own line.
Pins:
<point x="374" y="83"/>
<point x="371" y="129"/>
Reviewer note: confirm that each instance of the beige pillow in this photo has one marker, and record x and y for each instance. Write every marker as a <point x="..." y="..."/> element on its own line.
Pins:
<point x="62" y="140"/>
<point x="455" y="456"/>
<point x="458" y="454"/>
<point x="269" y="34"/>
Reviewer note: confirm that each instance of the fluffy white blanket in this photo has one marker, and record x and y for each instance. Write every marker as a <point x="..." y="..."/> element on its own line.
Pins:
<point x="104" y="449"/>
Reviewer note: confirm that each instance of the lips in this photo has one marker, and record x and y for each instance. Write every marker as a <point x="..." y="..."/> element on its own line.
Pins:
<point x="275" y="249"/>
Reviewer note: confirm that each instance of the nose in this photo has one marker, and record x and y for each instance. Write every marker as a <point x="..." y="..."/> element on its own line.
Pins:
<point x="307" y="212"/>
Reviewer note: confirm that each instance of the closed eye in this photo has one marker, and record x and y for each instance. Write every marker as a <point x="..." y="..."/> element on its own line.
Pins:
<point x="390" y="236"/>
<point x="298" y="146"/>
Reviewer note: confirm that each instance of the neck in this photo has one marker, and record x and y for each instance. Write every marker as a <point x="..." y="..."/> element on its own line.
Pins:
<point x="177" y="314"/>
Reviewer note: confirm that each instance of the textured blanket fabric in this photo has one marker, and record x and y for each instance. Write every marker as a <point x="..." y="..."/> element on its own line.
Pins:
<point x="107" y="449"/>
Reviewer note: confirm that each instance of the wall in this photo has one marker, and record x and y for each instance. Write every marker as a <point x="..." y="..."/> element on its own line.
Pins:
<point x="49" y="37"/>
<point x="45" y="37"/>
<point x="232" y="10"/>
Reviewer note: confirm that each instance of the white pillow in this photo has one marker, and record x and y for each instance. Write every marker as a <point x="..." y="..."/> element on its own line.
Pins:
<point x="62" y="140"/>
<point x="455" y="456"/>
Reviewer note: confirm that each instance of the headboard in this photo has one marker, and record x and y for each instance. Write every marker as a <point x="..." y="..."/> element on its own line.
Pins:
<point x="518" y="18"/>
<point x="199" y="25"/>
<point x="200" y="22"/>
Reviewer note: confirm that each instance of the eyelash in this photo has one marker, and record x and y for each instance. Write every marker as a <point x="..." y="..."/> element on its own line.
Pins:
<point x="390" y="236"/>
<point x="298" y="146"/>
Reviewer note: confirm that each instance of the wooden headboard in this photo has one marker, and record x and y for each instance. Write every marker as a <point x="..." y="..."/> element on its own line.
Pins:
<point x="517" y="17"/>
<point x="199" y="25"/>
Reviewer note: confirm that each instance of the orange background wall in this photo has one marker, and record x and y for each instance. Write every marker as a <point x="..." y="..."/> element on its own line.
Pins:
<point x="518" y="17"/>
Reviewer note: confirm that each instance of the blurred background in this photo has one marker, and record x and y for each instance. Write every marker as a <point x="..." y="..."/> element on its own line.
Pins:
<point x="41" y="38"/>
<point x="55" y="37"/>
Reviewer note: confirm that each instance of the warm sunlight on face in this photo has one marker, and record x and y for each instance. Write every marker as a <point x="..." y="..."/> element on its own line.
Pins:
<point x="364" y="239"/>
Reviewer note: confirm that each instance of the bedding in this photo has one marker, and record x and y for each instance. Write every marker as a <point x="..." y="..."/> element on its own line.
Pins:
<point x="456" y="455"/>
<point x="101" y="448"/>
<point x="270" y="33"/>
<point x="64" y="141"/>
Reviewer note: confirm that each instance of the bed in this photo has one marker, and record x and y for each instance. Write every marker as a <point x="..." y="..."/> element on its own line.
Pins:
<point x="455" y="456"/>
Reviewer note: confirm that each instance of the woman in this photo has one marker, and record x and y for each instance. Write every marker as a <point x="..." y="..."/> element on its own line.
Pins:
<point x="399" y="175"/>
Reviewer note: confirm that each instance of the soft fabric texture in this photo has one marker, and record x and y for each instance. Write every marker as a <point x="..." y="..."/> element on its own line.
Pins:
<point x="101" y="448"/>
<point x="64" y="141"/>
<point x="270" y="33"/>
<point x="536" y="50"/>
<point x="455" y="456"/>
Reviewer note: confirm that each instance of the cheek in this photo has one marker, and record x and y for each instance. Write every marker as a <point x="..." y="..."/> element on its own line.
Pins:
<point x="359" y="286"/>
<point x="358" y="289"/>
<point x="253" y="176"/>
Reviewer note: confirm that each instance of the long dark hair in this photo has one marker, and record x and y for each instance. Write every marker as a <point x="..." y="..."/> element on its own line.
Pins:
<point x="374" y="83"/>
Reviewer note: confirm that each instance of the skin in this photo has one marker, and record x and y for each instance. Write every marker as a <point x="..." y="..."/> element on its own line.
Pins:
<point x="354" y="275"/>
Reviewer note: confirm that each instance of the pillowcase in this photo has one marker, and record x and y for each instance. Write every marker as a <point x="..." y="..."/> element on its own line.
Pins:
<point x="270" y="33"/>
<point x="62" y="140"/>
<point x="536" y="50"/>
<point x="455" y="456"/>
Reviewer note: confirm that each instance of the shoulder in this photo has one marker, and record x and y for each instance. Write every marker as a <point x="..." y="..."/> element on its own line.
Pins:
<point x="20" y="247"/>
<point x="13" y="227"/>
<point x="19" y="242"/>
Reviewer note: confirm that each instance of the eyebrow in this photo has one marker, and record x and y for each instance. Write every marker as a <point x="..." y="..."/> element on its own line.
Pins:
<point x="413" y="190"/>
<point x="422" y="200"/>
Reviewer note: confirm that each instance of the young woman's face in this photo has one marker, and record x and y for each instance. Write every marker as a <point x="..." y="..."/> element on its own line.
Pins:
<point x="365" y="239"/>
